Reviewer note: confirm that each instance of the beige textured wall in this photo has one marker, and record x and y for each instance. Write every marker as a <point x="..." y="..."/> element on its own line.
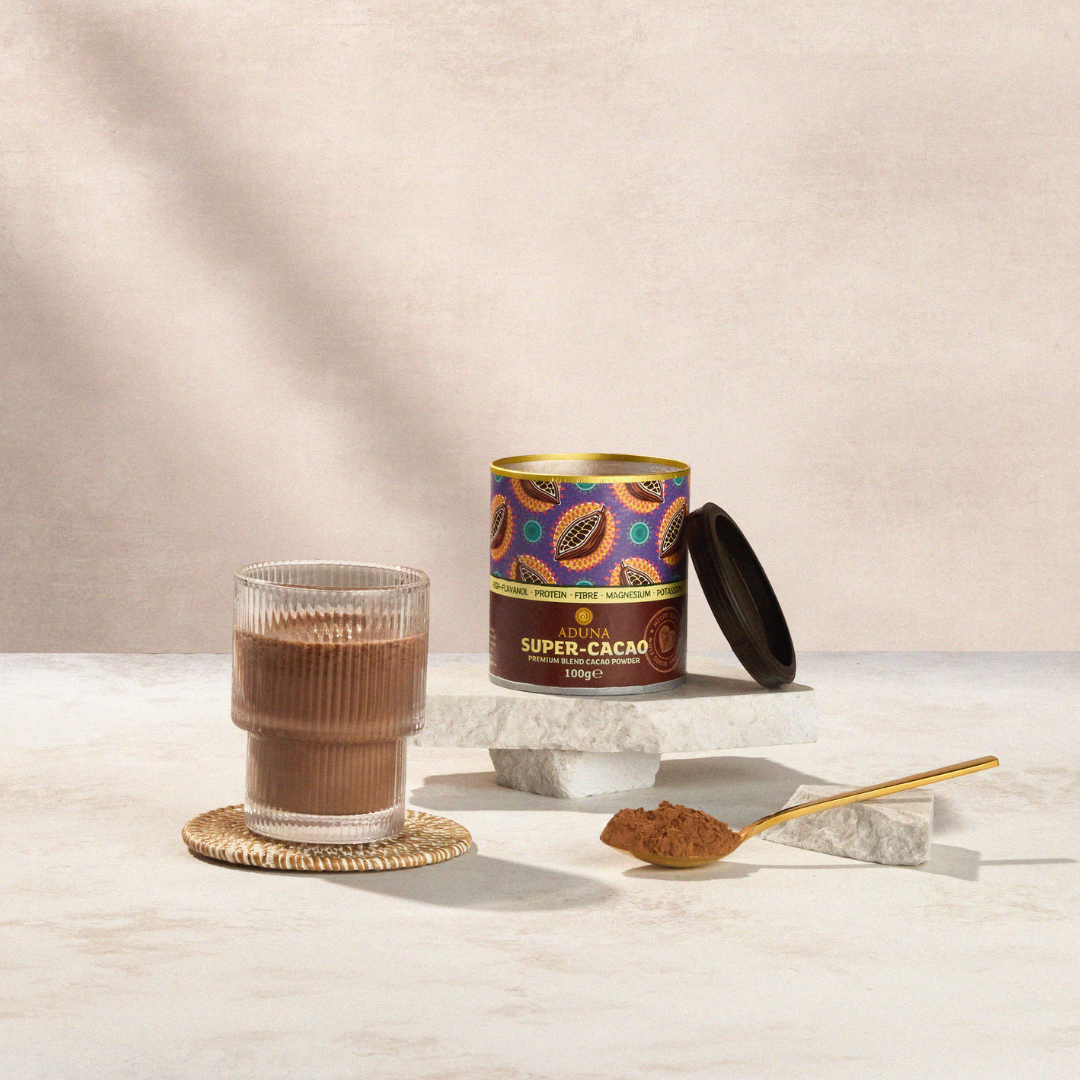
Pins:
<point x="280" y="277"/>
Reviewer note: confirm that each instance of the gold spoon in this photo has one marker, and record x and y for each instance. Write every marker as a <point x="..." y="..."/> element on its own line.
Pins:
<point x="858" y="795"/>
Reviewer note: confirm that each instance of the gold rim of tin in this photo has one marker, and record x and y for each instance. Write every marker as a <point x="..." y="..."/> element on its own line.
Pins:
<point x="502" y="467"/>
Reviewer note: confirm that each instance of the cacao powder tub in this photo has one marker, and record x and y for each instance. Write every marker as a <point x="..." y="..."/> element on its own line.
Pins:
<point x="671" y="830"/>
<point x="588" y="573"/>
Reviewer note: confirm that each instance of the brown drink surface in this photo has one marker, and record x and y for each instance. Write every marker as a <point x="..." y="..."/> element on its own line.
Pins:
<point x="326" y="720"/>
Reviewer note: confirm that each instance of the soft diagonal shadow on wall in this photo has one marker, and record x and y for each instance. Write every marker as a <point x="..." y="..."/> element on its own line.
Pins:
<point x="230" y="216"/>
<point x="116" y="453"/>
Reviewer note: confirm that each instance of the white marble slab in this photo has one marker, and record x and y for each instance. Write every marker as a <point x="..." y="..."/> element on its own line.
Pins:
<point x="896" y="830"/>
<point x="719" y="708"/>
<point x="573" y="774"/>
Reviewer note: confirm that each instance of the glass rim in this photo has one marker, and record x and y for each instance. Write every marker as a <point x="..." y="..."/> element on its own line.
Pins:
<point x="417" y="579"/>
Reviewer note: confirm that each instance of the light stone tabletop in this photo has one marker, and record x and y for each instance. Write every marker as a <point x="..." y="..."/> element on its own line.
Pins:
<point x="542" y="953"/>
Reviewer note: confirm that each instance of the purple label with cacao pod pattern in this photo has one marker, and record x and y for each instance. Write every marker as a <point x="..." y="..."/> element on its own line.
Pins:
<point x="588" y="573"/>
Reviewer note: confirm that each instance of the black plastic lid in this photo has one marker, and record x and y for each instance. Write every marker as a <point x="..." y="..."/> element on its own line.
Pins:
<point x="741" y="598"/>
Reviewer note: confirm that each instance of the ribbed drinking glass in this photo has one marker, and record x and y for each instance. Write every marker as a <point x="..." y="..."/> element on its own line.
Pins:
<point x="329" y="673"/>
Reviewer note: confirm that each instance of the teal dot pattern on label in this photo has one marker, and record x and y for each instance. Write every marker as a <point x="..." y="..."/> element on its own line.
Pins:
<point x="584" y="583"/>
<point x="639" y="532"/>
<point x="533" y="531"/>
<point x="585" y="487"/>
<point x="678" y="481"/>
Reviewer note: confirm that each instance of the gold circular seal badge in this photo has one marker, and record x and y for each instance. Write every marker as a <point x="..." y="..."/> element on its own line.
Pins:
<point x="583" y="616"/>
<point x="664" y="638"/>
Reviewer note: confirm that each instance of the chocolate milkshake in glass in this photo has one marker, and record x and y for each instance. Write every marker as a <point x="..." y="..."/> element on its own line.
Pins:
<point x="329" y="672"/>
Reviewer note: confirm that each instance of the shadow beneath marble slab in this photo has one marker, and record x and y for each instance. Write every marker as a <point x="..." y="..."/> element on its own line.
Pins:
<point x="477" y="791"/>
<point x="948" y="861"/>
<point x="735" y="789"/>
<point x="482" y="883"/>
<point x="965" y="864"/>
<point x="947" y="818"/>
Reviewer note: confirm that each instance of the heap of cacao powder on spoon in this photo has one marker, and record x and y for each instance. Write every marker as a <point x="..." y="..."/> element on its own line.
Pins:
<point x="670" y="832"/>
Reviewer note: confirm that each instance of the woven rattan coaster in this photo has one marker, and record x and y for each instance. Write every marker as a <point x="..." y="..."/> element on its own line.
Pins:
<point x="222" y="835"/>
